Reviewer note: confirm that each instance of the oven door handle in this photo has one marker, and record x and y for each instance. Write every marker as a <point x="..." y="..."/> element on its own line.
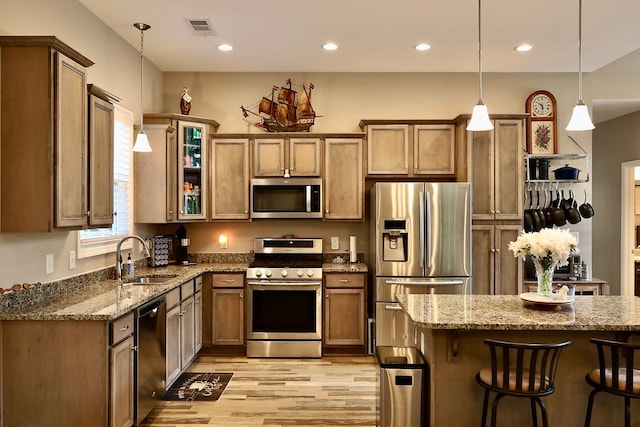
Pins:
<point x="281" y="284"/>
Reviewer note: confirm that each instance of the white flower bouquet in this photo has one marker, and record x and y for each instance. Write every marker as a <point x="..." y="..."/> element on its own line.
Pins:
<point x="548" y="248"/>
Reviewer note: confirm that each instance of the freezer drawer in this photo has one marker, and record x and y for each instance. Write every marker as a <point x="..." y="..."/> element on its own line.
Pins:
<point x="387" y="288"/>
<point x="393" y="326"/>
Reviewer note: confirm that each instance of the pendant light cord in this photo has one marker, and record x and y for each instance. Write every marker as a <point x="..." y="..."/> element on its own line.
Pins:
<point x="141" y="77"/>
<point x="480" y="48"/>
<point x="579" y="50"/>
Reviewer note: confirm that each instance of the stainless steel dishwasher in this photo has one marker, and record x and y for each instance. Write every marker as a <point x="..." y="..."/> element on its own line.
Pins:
<point x="150" y="366"/>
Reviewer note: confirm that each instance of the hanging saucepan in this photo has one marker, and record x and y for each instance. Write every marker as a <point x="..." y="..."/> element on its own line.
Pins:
<point x="543" y="222"/>
<point x="528" y="218"/>
<point x="585" y="209"/>
<point x="572" y="214"/>
<point x="537" y="226"/>
<point x="548" y="209"/>
<point x="557" y="212"/>
<point x="565" y="203"/>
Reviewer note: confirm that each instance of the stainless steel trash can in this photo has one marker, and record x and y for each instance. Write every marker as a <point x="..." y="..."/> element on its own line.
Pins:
<point x="403" y="387"/>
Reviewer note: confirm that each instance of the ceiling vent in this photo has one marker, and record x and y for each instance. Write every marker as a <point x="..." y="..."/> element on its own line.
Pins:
<point x="201" y="27"/>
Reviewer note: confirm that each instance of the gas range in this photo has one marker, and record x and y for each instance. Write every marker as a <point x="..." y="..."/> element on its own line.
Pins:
<point x="286" y="259"/>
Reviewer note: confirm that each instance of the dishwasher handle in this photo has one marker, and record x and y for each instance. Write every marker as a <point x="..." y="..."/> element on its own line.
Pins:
<point x="151" y="309"/>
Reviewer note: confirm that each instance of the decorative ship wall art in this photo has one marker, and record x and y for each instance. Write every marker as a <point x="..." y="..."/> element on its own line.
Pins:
<point x="285" y="111"/>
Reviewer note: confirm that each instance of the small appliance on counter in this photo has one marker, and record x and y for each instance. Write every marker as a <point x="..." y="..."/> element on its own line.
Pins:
<point x="182" y="246"/>
<point x="160" y="248"/>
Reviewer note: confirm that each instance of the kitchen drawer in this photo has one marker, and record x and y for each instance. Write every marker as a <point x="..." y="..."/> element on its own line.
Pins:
<point x="187" y="289"/>
<point x="230" y="280"/>
<point x="173" y="298"/>
<point x="120" y="328"/>
<point x="198" y="283"/>
<point x="344" y="280"/>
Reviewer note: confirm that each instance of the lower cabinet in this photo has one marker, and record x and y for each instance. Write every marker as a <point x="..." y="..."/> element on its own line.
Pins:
<point x="495" y="270"/>
<point x="181" y="326"/>
<point x="344" y="309"/>
<point x="227" y="309"/>
<point x="121" y="372"/>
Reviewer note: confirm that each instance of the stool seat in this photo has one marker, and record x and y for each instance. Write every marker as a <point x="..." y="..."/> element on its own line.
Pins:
<point x="617" y="373"/>
<point x="520" y="370"/>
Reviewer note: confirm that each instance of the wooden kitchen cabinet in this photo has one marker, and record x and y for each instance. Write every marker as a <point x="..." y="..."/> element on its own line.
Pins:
<point x="121" y="371"/>
<point x="343" y="179"/>
<point x="230" y="179"/>
<point x="344" y="309"/>
<point x="171" y="182"/>
<point x="300" y="156"/>
<point x="496" y="169"/>
<point x="43" y="138"/>
<point x="410" y="148"/>
<point x="181" y="327"/>
<point x="101" y="142"/>
<point x="227" y="309"/>
<point x="495" y="270"/>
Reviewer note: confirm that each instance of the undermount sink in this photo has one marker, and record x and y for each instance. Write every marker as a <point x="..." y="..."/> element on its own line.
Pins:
<point x="149" y="280"/>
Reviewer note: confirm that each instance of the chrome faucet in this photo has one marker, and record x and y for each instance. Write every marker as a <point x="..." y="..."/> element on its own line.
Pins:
<point x="119" y="256"/>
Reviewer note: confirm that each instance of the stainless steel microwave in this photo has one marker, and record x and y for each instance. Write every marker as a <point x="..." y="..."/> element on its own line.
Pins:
<point x="286" y="198"/>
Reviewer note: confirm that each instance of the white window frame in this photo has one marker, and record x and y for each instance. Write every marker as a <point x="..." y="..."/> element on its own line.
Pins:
<point x="104" y="245"/>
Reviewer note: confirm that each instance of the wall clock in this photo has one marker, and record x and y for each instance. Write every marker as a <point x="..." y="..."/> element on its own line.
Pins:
<point x="541" y="123"/>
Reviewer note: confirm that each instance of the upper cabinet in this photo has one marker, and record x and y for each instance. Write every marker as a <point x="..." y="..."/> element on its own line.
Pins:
<point x="101" y="141"/>
<point x="495" y="167"/>
<point x="43" y="138"/>
<point x="343" y="180"/>
<point x="171" y="182"/>
<point x="230" y="178"/>
<point x="299" y="156"/>
<point x="410" y="148"/>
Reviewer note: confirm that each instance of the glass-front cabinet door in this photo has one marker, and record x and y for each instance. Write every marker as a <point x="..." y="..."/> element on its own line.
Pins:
<point x="192" y="182"/>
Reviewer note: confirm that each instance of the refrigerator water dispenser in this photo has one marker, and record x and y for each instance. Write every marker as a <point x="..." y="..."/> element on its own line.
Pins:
<point x="394" y="241"/>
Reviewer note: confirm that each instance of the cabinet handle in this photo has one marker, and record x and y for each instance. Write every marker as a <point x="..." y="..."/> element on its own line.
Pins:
<point x="492" y="212"/>
<point x="197" y="301"/>
<point x="228" y="280"/>
<point x="493" y="250"/>
<point x="326" y="296"/>
<point x="498" y="212"/>
<point x="327" y="211"/>
<point x="344" y="280"/>
<point x="497" y="250"/>
<point x="134" y="348"/>
<point x="181" y="313"/>
<point x="241" y="296"/>
<point x="124" y="329"/>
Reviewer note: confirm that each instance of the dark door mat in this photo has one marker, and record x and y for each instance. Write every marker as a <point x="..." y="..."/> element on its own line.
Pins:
<point x="198" y="386"/>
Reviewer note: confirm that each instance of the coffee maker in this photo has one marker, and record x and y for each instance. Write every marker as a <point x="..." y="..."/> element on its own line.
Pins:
<point x="182" y="246"/>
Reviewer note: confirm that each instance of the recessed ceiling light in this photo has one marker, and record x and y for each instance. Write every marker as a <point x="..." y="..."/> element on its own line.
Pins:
<point x="422" y="46"/>
<point x="225" y="47"/>
<point x="330" y="46"/>
<point x="524" y="47"/>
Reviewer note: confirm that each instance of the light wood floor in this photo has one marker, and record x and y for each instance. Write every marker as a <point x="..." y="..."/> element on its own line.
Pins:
<point x="332" y="391"/>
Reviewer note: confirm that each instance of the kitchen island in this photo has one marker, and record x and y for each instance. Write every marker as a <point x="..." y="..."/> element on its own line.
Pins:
<point x="450" y="330"/>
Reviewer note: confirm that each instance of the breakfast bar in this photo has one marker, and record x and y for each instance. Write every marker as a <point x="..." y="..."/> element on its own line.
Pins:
<point x="450" y="330"/>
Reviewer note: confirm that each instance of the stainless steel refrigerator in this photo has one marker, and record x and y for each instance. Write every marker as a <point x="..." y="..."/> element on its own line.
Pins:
<point x="421" y="243"/>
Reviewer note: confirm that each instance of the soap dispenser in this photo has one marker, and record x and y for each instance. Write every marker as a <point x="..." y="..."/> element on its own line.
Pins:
<point x="129" y="266"/>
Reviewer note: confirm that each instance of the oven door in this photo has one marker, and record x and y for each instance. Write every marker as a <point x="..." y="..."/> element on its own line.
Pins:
<point x="284" y="310"/>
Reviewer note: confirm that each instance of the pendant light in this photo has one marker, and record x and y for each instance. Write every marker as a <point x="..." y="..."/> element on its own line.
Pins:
<point x="480" y="116"/>
<point x="142" y="142"/>
<point x="580" y="119"/>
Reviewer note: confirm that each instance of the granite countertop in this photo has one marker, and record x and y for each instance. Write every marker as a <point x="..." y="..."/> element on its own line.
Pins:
<point x="105" y="300"/>
<point x="509" y="312"/>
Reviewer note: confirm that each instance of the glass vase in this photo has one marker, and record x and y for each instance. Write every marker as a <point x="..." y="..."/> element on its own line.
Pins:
<point x="544" y="275"/>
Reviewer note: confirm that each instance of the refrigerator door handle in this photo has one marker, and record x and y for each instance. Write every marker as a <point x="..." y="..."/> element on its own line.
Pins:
<point x="423" y="283"/>
<point x="422" y="232"/>
<point x="429" y="229"/>
<point x="394" y="306"/>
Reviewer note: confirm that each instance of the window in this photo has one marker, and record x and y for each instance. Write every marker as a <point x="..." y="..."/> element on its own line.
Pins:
<point x="99" y="241"/>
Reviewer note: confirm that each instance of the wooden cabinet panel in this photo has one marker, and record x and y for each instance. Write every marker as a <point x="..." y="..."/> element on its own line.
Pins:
<point x="172" y="350"/>
<point x="495" y="270"/>
<point x="434" y="150"/>
<point x="268" y="157"/>
<point x="304" y="156"/>
<point x="230" y="179"/>
<point x="387" y="149"/>
<point x="187" y="331"/>
<point x="101" y="140"/>
<point x="344" y="317"/>
<point x="343" y="179"/>
<point x="227" y="324"/>
<point x="121" y="391"/>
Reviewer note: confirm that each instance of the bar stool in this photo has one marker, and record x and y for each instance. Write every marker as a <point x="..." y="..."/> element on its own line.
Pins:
<point x="520" y="370"/>
<point x="615" y="374"/>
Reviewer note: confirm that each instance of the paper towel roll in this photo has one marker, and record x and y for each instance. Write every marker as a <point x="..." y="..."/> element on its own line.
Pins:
<point x="353" y="248"/>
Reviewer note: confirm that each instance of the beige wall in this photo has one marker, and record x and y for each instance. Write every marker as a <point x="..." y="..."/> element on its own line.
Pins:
<point x="343" y="99"/>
